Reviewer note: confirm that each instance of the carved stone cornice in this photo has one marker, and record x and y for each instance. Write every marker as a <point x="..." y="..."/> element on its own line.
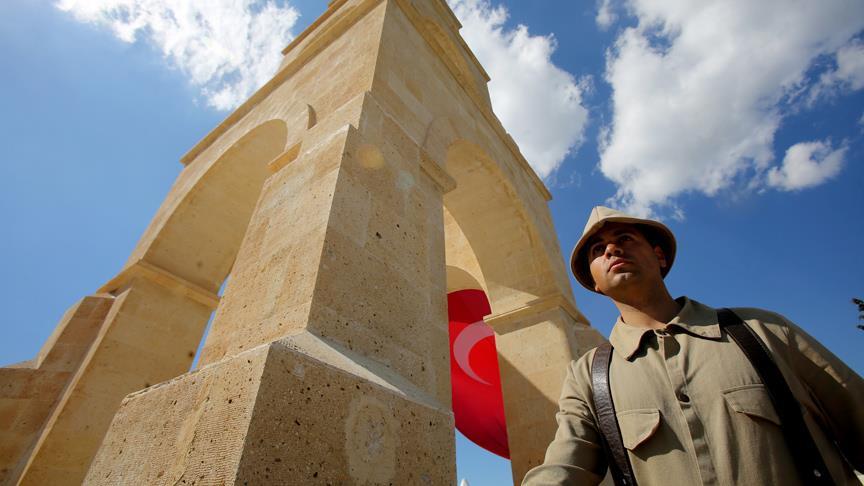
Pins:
<point x="163" y="278"/>
<point x="438" y="174"/>
<point x="527" y="314"/>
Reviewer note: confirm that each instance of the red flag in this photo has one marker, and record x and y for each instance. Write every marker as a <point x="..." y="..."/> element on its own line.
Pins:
<point x="478" y="405"/>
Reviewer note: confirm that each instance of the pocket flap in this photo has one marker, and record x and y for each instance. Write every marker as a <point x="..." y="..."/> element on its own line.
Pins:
<point x="752" y="400"/>
<point x="638" y="425"/>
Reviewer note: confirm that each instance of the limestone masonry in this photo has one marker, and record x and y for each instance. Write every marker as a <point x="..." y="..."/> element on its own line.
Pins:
<point x="345" y="198"/>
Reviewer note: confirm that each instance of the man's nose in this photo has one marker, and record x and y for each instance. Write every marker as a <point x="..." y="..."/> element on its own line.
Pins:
<point x="612" y="249"/>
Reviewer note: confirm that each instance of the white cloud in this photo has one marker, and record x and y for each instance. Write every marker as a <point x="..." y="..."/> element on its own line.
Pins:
<point x="807" y="164"/>
<point x="606" y="15"/>
<point x="700" y="89"/>
<point x="849" y="72"/>
<point x="227" y="48"/>
<point x="539" y="103"/>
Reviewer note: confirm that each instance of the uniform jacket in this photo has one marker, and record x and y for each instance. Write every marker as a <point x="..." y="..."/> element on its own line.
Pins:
<point x="692" y="410"/>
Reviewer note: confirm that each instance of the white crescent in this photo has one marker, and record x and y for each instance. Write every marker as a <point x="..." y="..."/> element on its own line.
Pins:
<point x="465" y="341"/>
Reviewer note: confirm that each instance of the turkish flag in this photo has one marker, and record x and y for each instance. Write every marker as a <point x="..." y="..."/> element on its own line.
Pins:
<point x="478" y="405"/>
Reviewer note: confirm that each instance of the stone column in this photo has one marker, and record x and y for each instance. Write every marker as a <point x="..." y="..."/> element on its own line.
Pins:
<point x="532" y="375"/>
<point x="29" y="391"/>
<point x="327" y="360"/>
<point x="148" y="336"/>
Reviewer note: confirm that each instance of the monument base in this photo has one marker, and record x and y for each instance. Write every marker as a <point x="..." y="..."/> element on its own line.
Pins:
<point x="299" y="410"/>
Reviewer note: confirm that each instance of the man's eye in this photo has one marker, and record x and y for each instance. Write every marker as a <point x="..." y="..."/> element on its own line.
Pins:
<point x="596" y="250"/>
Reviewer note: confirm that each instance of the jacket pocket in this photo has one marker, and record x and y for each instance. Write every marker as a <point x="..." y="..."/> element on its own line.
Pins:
<point x="638" y="425"/>
<point x="752" y="400"/>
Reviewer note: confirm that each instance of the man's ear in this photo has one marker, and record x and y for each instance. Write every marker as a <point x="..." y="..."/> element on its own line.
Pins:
<point x="661" y="256"/>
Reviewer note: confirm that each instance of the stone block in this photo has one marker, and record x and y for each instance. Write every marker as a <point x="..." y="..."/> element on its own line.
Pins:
<point x="276" y="415"/>
<point x="8" y="412"/>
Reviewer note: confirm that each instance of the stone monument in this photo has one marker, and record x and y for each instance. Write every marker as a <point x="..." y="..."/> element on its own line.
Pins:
<point x="341" y="202"/>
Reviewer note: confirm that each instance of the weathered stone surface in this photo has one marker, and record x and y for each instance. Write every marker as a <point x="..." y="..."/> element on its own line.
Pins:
<point x="29" y="393"/>
<point x="316" y="424"/>
<point x="148" y="336"/>
<point x="534" y="347"/>
<point x="276" y="414"/>
<point x="188" y="429"/>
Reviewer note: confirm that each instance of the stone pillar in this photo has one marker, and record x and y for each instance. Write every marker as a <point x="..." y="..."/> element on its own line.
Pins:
<point x="532" y="375"/>
<point x="328" y="358"/>
<point x="149" y="335"/>
<point x="29" y="391"/>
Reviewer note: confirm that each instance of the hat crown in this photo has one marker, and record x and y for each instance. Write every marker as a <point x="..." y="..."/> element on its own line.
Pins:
<point x="600" y="213"/>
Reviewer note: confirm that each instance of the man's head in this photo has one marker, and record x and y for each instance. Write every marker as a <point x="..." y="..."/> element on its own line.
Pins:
<point x="617" y="250"/>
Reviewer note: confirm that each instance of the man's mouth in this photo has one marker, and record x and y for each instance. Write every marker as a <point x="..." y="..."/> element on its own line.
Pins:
<point x="617" y="263"/>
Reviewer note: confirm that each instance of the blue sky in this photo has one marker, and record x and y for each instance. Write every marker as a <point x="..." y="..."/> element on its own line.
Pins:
<point x="744" y="134"/>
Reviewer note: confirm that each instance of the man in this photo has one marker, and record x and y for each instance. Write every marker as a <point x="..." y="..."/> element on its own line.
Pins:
<point x="690" y="406"/>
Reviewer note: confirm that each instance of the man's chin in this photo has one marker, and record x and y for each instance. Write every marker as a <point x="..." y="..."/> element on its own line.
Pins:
<point x="623" y="279"/>
<point x="623" y="282"/>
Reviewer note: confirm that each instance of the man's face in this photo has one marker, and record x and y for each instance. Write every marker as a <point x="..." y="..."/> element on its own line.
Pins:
<point x="622" y="261"/>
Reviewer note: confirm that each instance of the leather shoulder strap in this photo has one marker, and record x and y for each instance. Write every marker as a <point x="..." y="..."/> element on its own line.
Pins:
<point x="811" y="466"/>
<point x="610" y="433"/>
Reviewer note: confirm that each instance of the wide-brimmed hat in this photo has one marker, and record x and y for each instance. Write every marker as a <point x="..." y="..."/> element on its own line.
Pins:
<point x="656" y="232"/>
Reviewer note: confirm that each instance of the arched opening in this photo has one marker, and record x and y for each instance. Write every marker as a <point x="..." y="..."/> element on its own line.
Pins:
<point x="478" y="405"/>
<point x="199" y="240"/>
<point x="495" y="242"/>
<point x="499" y="235"/>
<point x="161" y="300"/>
<point x="463" y="269"/>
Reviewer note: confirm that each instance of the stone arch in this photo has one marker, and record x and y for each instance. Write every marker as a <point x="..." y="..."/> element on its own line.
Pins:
<point x="197" y="233"/>
<point x="161" y="300"/>
<point x="498" y="231"/>
<point x="493" y="230"/>
<point x="463" y="269"/>
<point x="459" y="279"/>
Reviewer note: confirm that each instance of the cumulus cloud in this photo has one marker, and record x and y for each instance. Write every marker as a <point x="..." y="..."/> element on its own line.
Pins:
<point x="700" y="89"/>
<point x="605" y="14"/>
<point x="849" y="71"/>
<point x="227" y="48"/>
<point x="807" y="164"/>
<point x="539" y="103"/>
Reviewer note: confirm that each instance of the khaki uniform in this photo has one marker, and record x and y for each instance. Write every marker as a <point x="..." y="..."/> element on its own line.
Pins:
<point x="692" y="410"/>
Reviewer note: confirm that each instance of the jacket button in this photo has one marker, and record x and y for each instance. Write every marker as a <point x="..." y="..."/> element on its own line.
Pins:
<point x="683" y="398"/>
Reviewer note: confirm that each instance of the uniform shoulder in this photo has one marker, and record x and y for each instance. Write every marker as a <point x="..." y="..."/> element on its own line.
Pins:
<point x="746" y="313"/>
<point x="580" y="370"/>
<point x="766" y="323"/>
<point x="763" y="317"/>
<point x="584" y="361"/>
<point x="587" y="356"/>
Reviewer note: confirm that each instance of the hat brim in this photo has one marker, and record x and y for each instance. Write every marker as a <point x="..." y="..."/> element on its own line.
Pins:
<point x="579" y="263"/>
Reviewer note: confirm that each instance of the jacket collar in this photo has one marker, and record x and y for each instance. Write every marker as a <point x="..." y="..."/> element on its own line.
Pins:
<point x="694" y="318"/>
